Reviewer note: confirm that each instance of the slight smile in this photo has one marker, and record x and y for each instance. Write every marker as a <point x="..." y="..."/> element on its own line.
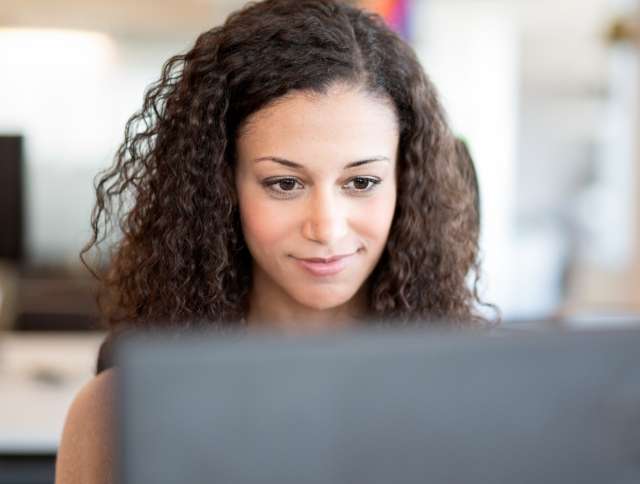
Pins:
<point x="323" y="267"/>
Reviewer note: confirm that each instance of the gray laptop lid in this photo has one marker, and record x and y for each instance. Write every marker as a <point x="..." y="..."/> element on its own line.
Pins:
<point x="380" y="407"/>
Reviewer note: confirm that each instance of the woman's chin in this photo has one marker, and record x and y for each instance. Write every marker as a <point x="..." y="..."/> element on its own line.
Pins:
<point x="321" y="301"/>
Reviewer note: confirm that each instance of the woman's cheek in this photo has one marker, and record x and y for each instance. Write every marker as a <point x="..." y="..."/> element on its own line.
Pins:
<point x="374" y="216"/>
<point x="265" y="221"/>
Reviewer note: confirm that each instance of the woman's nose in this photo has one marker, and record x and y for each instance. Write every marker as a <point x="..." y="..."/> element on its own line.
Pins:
<point x="326" y="220"/>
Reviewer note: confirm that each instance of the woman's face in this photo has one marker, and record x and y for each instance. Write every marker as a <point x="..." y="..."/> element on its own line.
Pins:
<point x="316" y="181"/>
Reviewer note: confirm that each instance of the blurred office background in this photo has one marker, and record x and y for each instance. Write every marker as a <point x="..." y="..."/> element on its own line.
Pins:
<point x="546" y="94"/>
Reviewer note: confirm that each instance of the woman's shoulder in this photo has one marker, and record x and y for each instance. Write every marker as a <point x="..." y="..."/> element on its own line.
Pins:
<point x="86" y="450"/>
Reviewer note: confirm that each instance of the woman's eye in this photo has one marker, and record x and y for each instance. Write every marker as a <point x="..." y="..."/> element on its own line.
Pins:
<point x="282" y="185"/>
<point x="362" y="183"/>
<point x="287" y="184"/>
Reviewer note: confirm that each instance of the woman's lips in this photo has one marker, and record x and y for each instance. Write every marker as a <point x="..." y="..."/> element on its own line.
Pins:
<point x="325" y="267"/>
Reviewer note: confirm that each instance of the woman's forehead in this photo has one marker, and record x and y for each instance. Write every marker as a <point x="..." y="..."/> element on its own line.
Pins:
<point x="344" y="124"/>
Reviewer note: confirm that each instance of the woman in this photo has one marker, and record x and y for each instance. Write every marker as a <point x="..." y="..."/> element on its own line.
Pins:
<point x="293" y="170"/>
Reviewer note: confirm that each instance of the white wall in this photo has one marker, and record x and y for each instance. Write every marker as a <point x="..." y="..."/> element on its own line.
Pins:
<point x="470" y="51"/>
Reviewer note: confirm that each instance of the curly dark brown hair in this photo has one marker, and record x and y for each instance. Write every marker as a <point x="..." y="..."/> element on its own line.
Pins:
<point x="181" y="256"/>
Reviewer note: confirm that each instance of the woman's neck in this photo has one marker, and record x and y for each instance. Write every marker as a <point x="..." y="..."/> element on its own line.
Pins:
<point x="270" y="307"/>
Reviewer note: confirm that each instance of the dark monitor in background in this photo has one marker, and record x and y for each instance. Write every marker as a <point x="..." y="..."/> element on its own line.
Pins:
<point x="380" y="408"/>
<point x="11" y="199"/>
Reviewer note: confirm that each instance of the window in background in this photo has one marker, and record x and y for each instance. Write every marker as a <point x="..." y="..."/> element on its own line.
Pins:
<point x="550" y="113"/>
<point x="606" y="272"/>
<point x="54" y="92"/>
<point x="69" y="94"/>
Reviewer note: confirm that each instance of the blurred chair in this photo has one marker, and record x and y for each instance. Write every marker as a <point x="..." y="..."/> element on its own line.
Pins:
<point x="8" y="295"/>
<point x="55" y="299"/>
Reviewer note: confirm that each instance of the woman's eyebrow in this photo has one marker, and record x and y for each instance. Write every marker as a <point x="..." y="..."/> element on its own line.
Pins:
<point x="298" y="166"/>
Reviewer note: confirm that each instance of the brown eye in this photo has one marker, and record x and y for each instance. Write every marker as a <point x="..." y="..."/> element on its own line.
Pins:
<point x="287" y="187"/>
<point x="362" y="184"/>
<point x="287" y="184"/>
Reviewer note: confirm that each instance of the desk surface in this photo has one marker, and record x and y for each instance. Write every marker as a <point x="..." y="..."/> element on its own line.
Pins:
<point x="40" y="373"/>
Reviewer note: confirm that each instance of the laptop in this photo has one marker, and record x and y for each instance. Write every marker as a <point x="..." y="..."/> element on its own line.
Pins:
<point x="412" y="406"/>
